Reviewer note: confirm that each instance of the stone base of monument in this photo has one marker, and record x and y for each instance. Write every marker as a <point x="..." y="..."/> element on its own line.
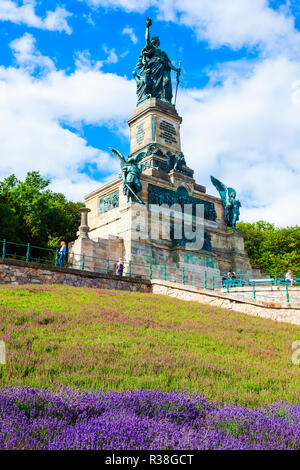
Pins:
<point x="91" y="255"/>
<point x="125" y="232"/>
<point x="120" y="223"/>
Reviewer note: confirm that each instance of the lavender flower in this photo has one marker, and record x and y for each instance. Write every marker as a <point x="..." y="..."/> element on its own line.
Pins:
<point x="140" y="419"/>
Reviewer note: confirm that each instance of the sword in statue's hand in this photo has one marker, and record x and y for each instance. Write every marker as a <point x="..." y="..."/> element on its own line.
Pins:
<point x="177" y="84"/>
<point x="135" y="195"/>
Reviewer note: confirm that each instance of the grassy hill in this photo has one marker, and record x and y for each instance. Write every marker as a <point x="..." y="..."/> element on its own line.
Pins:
<point x="118" y="340"/>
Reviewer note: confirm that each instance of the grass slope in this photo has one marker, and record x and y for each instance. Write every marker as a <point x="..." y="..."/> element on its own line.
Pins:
<point x="118" y="340"/>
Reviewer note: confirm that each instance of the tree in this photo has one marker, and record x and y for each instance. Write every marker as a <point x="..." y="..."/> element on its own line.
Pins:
<point x="32" y="213"/>
<point x="270" y="248"/>
<point x="9" y="226"/>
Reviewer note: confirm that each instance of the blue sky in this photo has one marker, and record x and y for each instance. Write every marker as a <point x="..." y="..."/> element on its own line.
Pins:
<point x="66" y="92"/>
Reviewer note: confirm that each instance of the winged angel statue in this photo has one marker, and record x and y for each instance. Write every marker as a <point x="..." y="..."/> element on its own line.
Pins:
<point x="230" y="203"/>
<point x="131" y="171"/>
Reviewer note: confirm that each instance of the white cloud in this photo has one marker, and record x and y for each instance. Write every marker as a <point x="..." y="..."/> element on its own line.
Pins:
<point x="25" y="14"/>
<point x="77" y="185"/>
<point x="36" y="113"/>
<point x="127" y="5"/>
<point x="112" y="57"/>
<point x="57" y="20"/>
<point x="84" y="61"/>
<point x="27" y="56"/>
<point x="130" y="32"/>
<point x="233" y="23"/>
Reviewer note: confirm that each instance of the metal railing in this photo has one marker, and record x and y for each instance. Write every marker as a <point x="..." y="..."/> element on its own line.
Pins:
<point x="188" y="275"/>
<point x="284" y="295"/>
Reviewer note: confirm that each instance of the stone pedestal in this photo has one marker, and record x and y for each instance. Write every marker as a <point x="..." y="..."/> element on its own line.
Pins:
<point x="157" y="122"/>
<point x="84" y="228"/>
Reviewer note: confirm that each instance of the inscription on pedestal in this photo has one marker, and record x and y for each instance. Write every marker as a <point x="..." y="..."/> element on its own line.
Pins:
<point x="153" y="127"/>
<point x="140" y="134"/>
<point x="168" y="132"/>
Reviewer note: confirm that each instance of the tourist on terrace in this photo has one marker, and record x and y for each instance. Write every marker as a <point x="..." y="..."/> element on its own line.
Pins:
<point x="231" y="277"/>
<point x="62" y="254"/>
<point x="288" y="277"/>
<point x="224" y="279"/>
<point x="120" y="267"/>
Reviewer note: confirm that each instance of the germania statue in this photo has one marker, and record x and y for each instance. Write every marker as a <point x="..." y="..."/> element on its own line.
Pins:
<point x="154" y="78"/>
<point x="230" y="203"/>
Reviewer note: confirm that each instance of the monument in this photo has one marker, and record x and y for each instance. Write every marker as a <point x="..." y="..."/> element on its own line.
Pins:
<point x="155" y="187"/>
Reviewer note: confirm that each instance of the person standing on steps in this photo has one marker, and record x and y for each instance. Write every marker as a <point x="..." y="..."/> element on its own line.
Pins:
<point x="120" y="267"/>
<point x="62" y="254"/>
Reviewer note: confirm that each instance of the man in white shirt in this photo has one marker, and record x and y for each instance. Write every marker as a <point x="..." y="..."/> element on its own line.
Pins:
<point x="288" y="277"/>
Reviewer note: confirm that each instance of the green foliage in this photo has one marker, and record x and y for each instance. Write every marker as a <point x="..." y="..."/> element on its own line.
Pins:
<point x="9" y="223"/>
<point x="270" y="248"/>
<point x="32" y="213"/>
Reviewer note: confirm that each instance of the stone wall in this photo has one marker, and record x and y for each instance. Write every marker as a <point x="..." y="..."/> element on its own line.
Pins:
<point x="281" y="312"/>
<point x="18" y="272"/>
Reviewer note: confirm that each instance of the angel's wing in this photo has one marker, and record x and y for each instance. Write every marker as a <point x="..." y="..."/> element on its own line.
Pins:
<point x="119" y="155"/>
<point x="139" y="157"/>
<point x="221" y="187"/>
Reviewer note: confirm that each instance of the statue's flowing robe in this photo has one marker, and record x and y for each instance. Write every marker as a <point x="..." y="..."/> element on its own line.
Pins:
<point x="161" y="76"/>
<point x="155" y="80"/>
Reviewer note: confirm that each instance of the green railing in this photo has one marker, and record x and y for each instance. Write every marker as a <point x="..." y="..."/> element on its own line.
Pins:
<point x="190" y="275"/>
<point x="28" y="252"/>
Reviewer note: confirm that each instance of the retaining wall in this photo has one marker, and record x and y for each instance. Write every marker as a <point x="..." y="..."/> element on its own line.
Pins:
<point x="18" y="272"/>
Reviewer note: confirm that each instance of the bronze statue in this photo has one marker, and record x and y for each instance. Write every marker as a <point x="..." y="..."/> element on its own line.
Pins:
<point x="230" y="203"/>
<point x="180" y="161"/>
<point x="154" y="80"/>
<point x="131" y="171"/>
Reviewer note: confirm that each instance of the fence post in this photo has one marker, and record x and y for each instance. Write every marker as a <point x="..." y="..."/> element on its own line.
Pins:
<point x="129" y="269"/>
<point x="150" y="273"/>
<point x="107" y="265"/>
<point x="182" y="275"/>
<point x="205" y="280"/>
<point x="82" y="263"/>
<point x="275" y="278"/>
<point x="287" y="292"/>
<point x="56" y="256"/>
<point x="165" y="272"/>
<point x="213" y="283"/>
<point x="253" y="288"/>
<point x="27" y="252"/>
<point x="3" y="249"/>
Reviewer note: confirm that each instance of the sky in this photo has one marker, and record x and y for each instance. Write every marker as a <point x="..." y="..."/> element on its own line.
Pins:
<point x="67" y="91"/>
